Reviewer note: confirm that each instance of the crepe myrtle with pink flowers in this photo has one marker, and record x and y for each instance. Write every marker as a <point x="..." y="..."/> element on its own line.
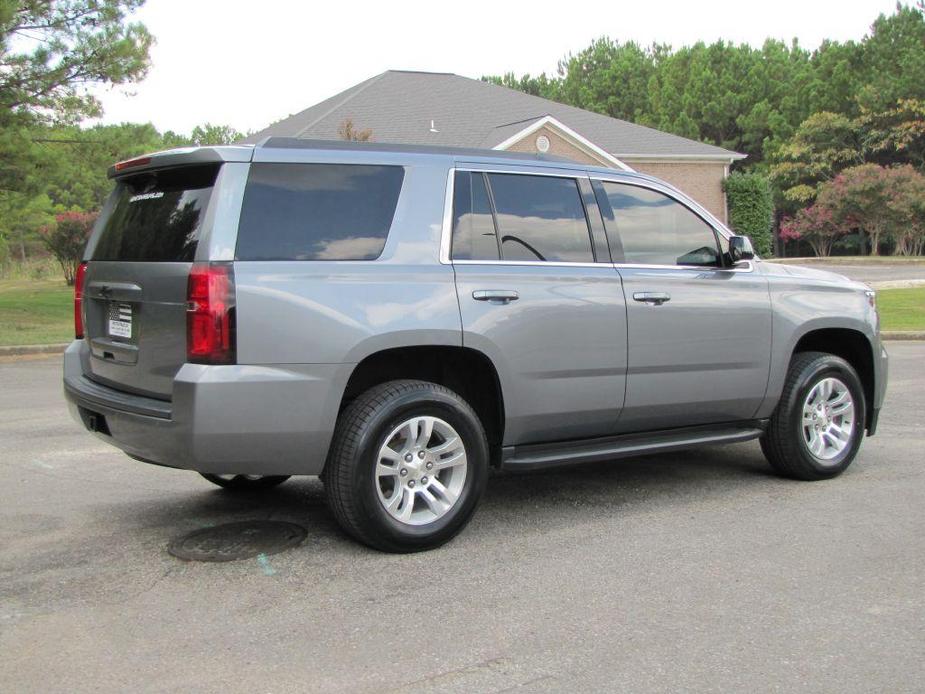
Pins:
<point x="885" y="206"/>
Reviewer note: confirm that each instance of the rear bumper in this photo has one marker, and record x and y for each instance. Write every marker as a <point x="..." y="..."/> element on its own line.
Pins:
<point x="257" y="420"/>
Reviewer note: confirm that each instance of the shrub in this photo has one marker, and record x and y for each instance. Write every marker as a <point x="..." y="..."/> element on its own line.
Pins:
<point x="67" y="238"/>
<point x="751" y="208"/>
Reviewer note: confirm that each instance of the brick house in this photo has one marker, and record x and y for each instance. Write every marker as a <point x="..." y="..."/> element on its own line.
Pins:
<point x="446" y="109"/>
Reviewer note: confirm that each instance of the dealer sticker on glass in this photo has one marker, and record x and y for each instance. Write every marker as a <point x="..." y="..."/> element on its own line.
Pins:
<point x="120" y="320"/>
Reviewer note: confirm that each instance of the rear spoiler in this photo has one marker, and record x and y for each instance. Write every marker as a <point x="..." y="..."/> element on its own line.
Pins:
<point x="182" y="156"/>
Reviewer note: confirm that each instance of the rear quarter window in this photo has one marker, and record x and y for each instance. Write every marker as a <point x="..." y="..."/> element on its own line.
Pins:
<point x="317" y="211"/>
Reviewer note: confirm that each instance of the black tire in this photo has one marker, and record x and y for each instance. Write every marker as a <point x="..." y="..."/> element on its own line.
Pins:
<point x="349" y="477"/>
<point x="243" y="483"/>
<point x="783" y="443"/>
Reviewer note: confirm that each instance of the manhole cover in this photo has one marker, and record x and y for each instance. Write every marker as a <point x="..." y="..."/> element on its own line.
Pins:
<point x="240" y="540"/>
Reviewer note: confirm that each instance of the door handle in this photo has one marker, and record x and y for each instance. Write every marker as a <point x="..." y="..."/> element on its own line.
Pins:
<point x="654" y="298"/>
<point x="495" y="296"/>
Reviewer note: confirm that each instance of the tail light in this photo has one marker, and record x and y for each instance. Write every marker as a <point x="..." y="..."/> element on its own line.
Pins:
<point x="79" y="300"/>
<point x="210" y="337"/>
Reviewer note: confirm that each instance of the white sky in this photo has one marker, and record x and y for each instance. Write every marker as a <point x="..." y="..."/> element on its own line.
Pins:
<point x="249" y="64"/>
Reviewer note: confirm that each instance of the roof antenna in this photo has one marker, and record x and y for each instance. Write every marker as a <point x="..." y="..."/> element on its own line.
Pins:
<point x="432" y="128"/>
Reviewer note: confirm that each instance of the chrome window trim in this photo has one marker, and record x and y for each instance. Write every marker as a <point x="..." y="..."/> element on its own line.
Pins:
<point x="679" y="197"/>
<point x="675" y="195"/>
<point x="446" y="231"/>
<point x="531" y="263"/>
<point x="744" y="266"/>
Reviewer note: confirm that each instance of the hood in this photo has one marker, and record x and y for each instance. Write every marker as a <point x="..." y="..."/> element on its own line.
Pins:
<point x="809" y="273"/>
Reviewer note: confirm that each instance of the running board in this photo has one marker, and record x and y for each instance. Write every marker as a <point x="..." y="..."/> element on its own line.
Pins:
<point x="543" y="455"/>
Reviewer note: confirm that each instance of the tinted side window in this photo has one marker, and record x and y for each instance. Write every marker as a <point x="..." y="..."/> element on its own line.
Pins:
<point x="317" y="211"/>
<point x="540" y="218"/>
<point x="658" y="230"/>
<point x="474" y="236"/>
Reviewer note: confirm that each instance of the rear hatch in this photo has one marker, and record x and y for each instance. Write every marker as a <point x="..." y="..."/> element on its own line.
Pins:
<point x="136" y="283"/>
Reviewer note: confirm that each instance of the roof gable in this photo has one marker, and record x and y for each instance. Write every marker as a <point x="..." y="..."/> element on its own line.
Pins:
<point x="400" y="107"/>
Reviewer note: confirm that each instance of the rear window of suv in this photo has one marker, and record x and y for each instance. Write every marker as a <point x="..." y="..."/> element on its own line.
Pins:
<point x="156" y="216"/>
<point x="317" y="211"/>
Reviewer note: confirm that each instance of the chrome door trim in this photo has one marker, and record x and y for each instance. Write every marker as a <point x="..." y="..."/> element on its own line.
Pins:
<point x="446" y="232"/>
<point x="674" y="194"/>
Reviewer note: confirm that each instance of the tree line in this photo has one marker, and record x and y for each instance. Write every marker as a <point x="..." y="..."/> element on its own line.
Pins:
<point x="835" y="136"/>
<point x="802" y="116"/>
<point x="53" y="169"/>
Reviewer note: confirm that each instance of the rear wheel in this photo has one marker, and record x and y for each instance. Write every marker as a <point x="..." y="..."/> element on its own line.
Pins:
<point x="818" y="426"/>
<point x="244" y="483"/>
<point x="407" y="467"/>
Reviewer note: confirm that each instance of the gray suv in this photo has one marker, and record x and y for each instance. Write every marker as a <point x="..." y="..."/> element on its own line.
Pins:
<point x="399" y="320"/>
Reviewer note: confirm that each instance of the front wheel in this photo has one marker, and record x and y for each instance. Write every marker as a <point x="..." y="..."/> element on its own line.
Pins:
<point x="407" y="466"/>
<point x="818" y="425"/>
<point x="245" y="483"/>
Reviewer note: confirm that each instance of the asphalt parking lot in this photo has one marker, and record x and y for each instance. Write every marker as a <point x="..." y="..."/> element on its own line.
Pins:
<point x="682" y="572"/>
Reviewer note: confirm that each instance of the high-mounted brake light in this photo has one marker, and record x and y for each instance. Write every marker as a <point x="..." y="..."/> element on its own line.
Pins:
<point x="79" y="300"/>
<point x="210" y="328"/>
<point x="129" y="163"/>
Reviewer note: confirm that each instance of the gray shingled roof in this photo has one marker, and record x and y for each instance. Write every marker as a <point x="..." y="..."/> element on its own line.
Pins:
<point x="399" y="106"/>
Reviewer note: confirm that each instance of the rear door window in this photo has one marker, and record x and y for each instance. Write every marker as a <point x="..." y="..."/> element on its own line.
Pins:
<point x="474" y="234"/>
<point x="317" y="211"/>
<point x="540" y="218"/>
<point x="156" y="216"/>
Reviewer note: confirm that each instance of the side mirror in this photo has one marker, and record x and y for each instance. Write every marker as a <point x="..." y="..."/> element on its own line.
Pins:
<point x="740" y="248"/>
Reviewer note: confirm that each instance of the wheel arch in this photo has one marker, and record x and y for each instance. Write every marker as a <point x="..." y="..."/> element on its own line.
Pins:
<point x="851" y="345"/>
<point x="467" y="371"/>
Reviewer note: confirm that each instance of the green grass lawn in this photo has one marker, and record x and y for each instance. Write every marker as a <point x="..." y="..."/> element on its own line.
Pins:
<point x="902" y="309"/>
<point x="35" y="312"/>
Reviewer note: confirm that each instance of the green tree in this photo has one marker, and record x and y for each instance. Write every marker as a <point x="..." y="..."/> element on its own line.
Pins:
<point x="824" y="144"/>
<point x="747" y="99"/>
<point x="53" y="50"/>
<point x="608" y="77"/>
<point x="893" y="59"/>
<point x="51" y="53"/>
<point x="896" y="135"/>
<point x="209" y="134"/>
<point x="20" y="218"/>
